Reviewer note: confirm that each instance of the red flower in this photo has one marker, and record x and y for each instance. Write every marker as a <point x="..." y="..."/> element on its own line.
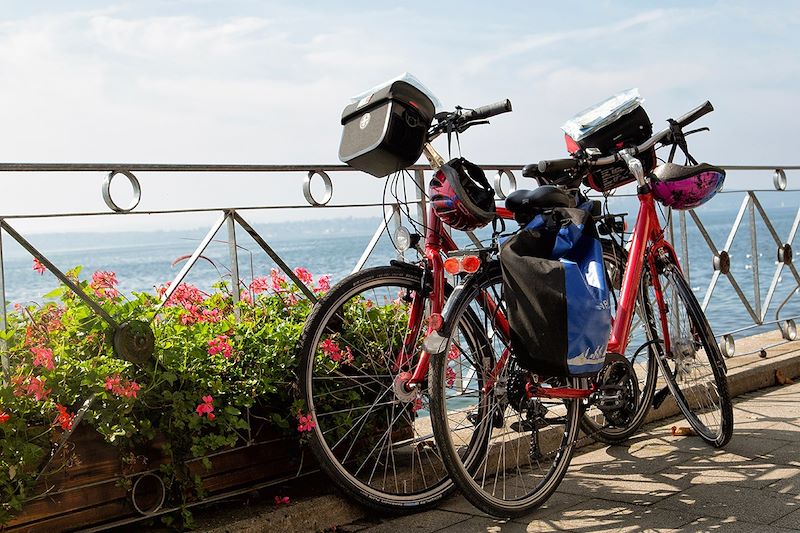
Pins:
<point x="126" y="389"/>
<point x="43" y="357"/>
<point x="4" y="417"/>
<point x="305" y="422"/>
<point x="450" y="376"/>
<point x="38" y="266"/>
<point x="64" y="418"/>
<point x="417" y="405"/>
<point x="303" y="275"/>
<point x="324" y="284"/>
<point x="336" y="354"/>
<point x="206" y="408"/>
<point x="281" y="500"/>
<point x="220" y="344"/>
<point x="453" y="354"/>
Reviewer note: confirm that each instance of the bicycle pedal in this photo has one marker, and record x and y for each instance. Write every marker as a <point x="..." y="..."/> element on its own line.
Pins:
<point x="525" y="426"/>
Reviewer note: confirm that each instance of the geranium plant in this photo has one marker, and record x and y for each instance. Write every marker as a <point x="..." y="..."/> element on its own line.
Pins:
<point x="207" y="372"/>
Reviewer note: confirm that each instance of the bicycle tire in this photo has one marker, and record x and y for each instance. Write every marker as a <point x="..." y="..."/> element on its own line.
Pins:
<point x="692" y="347"/>
<point x="391" y="492"/>
<point x="643" y="333"/>
<point x="508" y="495"/>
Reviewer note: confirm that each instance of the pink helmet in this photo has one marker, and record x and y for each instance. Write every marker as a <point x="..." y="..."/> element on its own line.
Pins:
<point x="686" y="186"/>
<point x="461" y="195"/>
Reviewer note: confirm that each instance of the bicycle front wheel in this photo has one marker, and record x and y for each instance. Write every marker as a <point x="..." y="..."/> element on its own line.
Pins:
<point x="693" y="367"/>
<point x="370" y="435"/>
<point x="528" y="441"/>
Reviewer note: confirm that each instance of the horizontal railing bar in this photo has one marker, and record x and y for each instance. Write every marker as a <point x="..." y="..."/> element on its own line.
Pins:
<point x="181" y="167"/>
<point x="197" y="210"/>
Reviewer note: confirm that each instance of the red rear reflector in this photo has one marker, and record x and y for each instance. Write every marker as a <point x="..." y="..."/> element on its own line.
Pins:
<point x="470" y="263"/>
<point x="436" y="321"/>
<point x="452" y="265"/>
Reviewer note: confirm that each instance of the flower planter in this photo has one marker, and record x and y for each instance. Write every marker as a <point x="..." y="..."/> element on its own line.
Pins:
<point x="90" y="484"/>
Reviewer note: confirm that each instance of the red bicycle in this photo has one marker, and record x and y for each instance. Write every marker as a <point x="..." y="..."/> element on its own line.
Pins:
<point x="364" y="374"/>
<point x="530" y="422"/>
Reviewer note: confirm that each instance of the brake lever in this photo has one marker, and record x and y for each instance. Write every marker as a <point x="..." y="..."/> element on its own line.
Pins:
<point x="465" y="127"/>
<point x="698" y="130"/>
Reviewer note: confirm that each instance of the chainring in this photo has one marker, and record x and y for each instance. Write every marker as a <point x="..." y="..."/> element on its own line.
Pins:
<point x="618" y="391"/>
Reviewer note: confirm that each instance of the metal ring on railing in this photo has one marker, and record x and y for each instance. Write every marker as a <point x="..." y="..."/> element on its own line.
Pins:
<point x="498" y="182"/>
<point x="779" y="179"/>
<point x="137" y="191"/>
<point x="788" y="329"/>
<point x="148" y="490"/>
<point x="727" y="345"/>
<point x="328" y="187"/>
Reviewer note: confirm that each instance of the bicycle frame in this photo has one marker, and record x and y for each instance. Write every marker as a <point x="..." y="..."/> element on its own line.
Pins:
<point x="647" y="244"/>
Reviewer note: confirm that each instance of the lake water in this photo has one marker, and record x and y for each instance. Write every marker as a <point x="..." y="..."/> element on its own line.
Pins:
<point x="144" y="260"/>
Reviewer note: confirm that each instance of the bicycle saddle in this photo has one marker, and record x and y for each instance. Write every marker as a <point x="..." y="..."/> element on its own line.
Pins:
<point x="527" y="203"/>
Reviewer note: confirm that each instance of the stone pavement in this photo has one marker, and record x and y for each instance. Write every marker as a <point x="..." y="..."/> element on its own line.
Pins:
<point x="657" y="482"/>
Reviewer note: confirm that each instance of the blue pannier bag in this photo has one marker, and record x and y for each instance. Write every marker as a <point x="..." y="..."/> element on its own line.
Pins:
<point x="555" y="287"/>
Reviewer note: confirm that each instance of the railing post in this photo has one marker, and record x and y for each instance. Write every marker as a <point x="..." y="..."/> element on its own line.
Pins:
<point x="3" y="303"/>
<point x="422" y="198"/>
<point x="754" y="251"/>
<point x="398" y="223"/>
<point x="234" y="256"/>
<point x="685" y="248"/>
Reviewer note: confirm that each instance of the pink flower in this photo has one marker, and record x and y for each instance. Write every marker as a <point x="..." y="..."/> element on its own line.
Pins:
<point x="4" y="417"/>
<point x="34" y="387"/>
<point x="324" y="284"/>
<point x="305" y="422"/>
<point x="244" y="296"/>
<point x="278" y="280"/>
<point x="64" y="418"/>
<point x="220" y="344"/>
<point x="38" y="266"/>
<point x="184" y="295"/>
<point x="259" y="285"/>
<point x="43" y="357"/>
<point x="206" y="408"/>
<point x="104" y="284"/>
<point x="450" y="376"/>
<point x="281" y="500"/>
<point x="304" y="275"/>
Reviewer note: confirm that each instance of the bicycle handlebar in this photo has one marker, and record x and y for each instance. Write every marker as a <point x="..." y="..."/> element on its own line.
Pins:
<point x="484" y="112"/>
<point x="560" y="165"/>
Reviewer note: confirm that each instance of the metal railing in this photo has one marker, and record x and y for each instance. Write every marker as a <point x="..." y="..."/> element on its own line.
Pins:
<point x="504" y="181"/>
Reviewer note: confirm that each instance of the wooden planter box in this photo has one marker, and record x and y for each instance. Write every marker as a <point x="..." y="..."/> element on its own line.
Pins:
<point x="83" y="486"/>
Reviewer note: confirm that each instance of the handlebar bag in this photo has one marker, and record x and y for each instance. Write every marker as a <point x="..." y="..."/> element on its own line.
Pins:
<point x="555" y="288"/>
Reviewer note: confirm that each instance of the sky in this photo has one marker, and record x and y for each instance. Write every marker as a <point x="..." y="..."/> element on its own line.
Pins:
<point x="245" y="81"/>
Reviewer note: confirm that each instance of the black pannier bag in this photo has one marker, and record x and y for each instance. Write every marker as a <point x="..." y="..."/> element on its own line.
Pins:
<point x="555" y="289"/>
<point x="385" y="130"/>
<point x="616" y="123"/>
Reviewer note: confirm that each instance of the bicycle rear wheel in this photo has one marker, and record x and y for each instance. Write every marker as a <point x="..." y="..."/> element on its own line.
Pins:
<point x="529" y="442"/>
<point x="693" y="367"/>
<point x="371" y="436"/>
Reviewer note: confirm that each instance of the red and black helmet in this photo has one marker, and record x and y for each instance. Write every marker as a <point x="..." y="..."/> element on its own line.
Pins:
<point x="461" y="195"/>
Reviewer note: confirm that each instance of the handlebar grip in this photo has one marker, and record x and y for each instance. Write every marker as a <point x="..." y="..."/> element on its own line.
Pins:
<point x="557" y="165"/>
<point x="497" y="108"/>
<point x="696" y="113"/>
